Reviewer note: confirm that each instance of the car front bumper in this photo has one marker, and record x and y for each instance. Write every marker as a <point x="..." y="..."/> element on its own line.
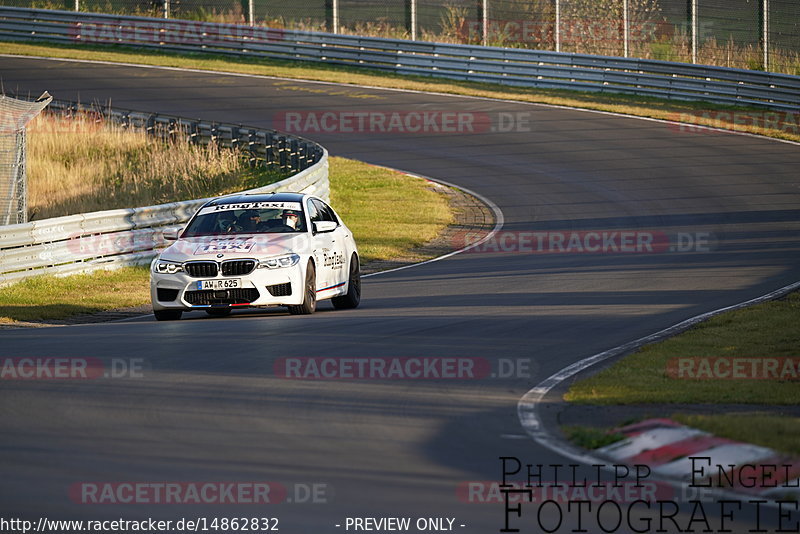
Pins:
<point x="261" y="287"/>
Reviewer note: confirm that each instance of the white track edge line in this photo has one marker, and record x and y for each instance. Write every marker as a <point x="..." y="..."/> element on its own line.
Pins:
<point x="499" y="221"/>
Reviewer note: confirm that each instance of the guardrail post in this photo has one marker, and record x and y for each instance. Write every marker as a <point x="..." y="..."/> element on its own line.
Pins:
<point x="251" y="13"/>
<point x="411" y="18"/>
<point x="150" y="125"/>
<point x="166" y="9"/>
<point x="294" y="155"/>
<point x="282" y="153"/>
<point x="77" y="5"/>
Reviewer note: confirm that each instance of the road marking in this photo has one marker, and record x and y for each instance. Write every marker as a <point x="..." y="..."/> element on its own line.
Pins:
<point x="499" y="219"/>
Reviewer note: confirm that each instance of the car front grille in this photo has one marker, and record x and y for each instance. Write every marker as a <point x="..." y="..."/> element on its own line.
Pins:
<point x="200" y="269"/>
<point x="223" y="296"/>
<point x="280" y="290"/>
<point x="238" y="267"/>
<point x="166" y="295"/>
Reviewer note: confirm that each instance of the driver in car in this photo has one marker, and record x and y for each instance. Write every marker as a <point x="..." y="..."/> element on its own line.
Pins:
<point x="290" y="218"/>
<point x="247" y="222"/>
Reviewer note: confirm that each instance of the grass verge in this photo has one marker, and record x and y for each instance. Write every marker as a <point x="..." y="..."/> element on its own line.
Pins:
<point x="389" y="213"/>
<point x="776" y="432"/>
<point x="590" y="437"/>
<point x="767" y="330"/>
<point x="695" y="113"/>
<point x="50" y="297"/>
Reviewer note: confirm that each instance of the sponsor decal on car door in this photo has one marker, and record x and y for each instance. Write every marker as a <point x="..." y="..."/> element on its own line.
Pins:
<point x="332" y="263"/>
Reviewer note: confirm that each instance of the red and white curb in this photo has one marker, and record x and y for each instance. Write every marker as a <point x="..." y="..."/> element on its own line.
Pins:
<point x="666" y="447"/>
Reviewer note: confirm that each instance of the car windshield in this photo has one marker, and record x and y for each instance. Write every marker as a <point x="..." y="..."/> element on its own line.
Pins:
<point x="249" y="218"/>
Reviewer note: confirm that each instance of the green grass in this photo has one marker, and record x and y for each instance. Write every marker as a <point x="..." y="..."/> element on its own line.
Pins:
<point x="590" y="437"/>
<point x="632" y="105"/>
<point x="771" y="329"/>
<point x="389" y="213"/>
<point x="50" y="297"/>
<point x="776" y="432"/>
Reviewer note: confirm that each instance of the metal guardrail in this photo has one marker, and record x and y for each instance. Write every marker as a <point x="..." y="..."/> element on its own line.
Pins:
<point x="507" y="66"/>
<point x="124" y="237"/>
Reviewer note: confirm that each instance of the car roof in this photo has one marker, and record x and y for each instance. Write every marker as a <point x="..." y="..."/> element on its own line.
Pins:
<point x="257" y="197"/>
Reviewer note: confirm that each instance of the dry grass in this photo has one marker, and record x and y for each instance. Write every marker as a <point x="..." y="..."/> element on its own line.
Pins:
<point x="83" y="164"/>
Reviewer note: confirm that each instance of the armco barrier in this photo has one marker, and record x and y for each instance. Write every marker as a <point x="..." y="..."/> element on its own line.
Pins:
<point x="508" y="66"/>
<point x="124" y="237"/>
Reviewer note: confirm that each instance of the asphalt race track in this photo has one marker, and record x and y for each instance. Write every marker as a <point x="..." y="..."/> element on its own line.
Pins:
<point x="208" y="405"/>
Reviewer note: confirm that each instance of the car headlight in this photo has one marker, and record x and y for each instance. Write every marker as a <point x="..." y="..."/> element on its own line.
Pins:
<point x="167" y="267"/>
<point x="279" y="262"/>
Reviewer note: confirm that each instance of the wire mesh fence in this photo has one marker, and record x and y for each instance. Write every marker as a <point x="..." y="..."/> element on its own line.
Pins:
<point x="751" y="34"/>
<point x="14" y="116"/>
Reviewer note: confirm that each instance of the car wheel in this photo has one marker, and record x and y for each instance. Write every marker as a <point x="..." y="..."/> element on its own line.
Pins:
<point x="352" y="298"/>
<point x="218" y="312"/>
<point x="167" y="315"/>
<point x="309" y="293"/>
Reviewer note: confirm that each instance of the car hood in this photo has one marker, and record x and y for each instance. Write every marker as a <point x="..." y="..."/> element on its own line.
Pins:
<point x="226" y="247"/>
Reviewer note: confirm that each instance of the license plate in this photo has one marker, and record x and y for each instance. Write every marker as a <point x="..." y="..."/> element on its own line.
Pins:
<point x="231" y="283"/>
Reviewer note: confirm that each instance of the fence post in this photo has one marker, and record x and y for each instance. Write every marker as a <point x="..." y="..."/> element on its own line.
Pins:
<point x="251" y="13"/>
<point x="765" y="32"/>
<point x="557" y="31"/>
<point x="332" y="15"/>
<point x="483" y="16"/>
<point x="693" y="25"/>
<point x="626" y="28"/>
<point x="77" y="5"/>
<point x="166" y="9"/>
<point x="411" y="18"/>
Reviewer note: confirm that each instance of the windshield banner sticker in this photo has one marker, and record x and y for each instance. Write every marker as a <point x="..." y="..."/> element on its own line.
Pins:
<point x="251" y="206"/>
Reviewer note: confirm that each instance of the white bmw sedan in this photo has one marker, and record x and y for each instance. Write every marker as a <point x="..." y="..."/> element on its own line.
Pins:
<point x="257" y="250"/>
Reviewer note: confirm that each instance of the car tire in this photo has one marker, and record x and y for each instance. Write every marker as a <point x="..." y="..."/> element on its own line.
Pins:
<point x="218" y="312"/>
<point x="352" y="298"/>
<point x="309" y="293"/>
<point x="167" y="315"/>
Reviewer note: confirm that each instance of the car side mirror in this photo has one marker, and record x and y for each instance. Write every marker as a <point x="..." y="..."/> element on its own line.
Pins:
<point x="324" y="226"/>
<point x="171" y="234"/>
